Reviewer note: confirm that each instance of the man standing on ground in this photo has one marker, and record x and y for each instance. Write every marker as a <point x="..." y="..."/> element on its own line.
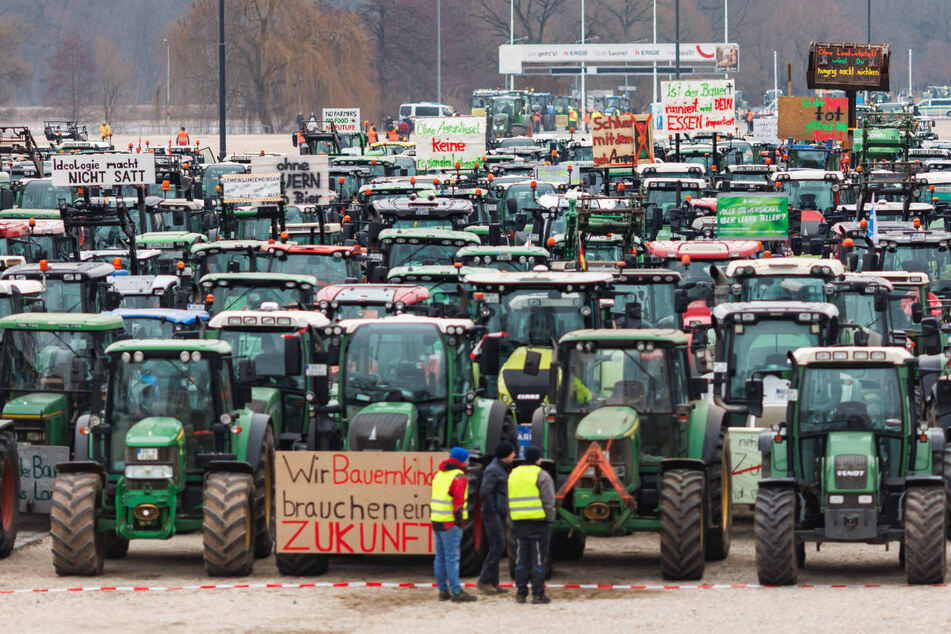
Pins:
<point x="494" y="496"/>
<point x="182" y="137"/>
<point x="448" y="513"/>
<point x="532" y="511"/>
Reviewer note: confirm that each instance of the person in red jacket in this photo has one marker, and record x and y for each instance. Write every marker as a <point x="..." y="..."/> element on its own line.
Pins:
<point x="448" y="513"/>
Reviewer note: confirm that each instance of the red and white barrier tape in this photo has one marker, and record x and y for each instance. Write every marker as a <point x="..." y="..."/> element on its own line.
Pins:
<point x="432" y="586"/>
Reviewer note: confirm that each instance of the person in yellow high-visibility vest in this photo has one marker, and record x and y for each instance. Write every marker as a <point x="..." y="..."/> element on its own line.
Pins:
<point x="532" y="511"/>
<point x="448" y="513"/>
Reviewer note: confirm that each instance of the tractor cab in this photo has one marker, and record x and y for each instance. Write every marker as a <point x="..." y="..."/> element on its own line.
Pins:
<point x="862" y="300"/>
<point x="420" y="247"/>
<point x="422" y="213"/>
<point x="20" y="296"/>
<point x="249" y="291"/>
<point x="914" y="312"/>
<point x="176" y="246"/>
<point x="369" y="301"/>
<point x="69" y="286"/>
<point x="852" y="461"/>
<point x="162" y="323"/>
<point x="147" y="260"/>
<point x="330" y="264"/>
<point x="918" y="251"/>
<point x="179" y="214"/>
<point x="661" y="195"/>
<point x="228" y="256"/>
<point x="811" y="189"/>
<point x="37" y="239"/>
<point x="644" y="298"/>
<point x="503" y="258"/>
<point x="144" y="291"/>
<point x="448" y="291"/>
<point x="801" y="279"/>
<point x="525" y="314"/>
<point x="748" y="178"/>
<point x="52" y="370"/>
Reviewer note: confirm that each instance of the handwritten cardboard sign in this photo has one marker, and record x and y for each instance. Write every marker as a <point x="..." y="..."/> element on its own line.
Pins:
<point x="264" y="187"/>
<point x="814" y="119"/>
<point x="747" y="463"/>
<point x="37" y="473"/>
<point x="306" y="178"/>
<point x="842" y="66"/>
<point x="342" y="503"/>
<point x="699" y="105"/>
<point x="441" y="142"/>
<point x="765" y="130"/>
<point x="622" y="140"/>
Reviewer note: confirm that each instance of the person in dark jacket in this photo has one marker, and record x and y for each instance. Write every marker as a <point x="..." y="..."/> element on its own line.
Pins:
<point x="494" y="496"/>
<point x="448" y="511"/>
<point x="532" y="511"/>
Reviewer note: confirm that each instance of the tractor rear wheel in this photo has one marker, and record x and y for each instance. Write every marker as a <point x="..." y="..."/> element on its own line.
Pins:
<point x="297" y="565"/>
<point x="264" y="523"/>
<point x="947" y="487"/>
<point x="774" y="528"/>
<point x="682" y="524"/>
<point x="721" y="505"/>
<point x="473" y="547"/>
<point x="228" y="524"/>
<point x="925" y="560"/>
<point x="9" y="493"/>
<point x="78" y="549"/>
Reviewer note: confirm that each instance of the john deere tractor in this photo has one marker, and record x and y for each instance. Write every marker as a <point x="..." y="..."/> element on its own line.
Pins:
<point x="636" y="448"/>
<point x="853" y="462"/>
<point x="173" y="450"/>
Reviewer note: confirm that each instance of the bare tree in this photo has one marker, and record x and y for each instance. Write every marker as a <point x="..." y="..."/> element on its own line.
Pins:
<point x="113" y="76"/>
<point x="14" y="72"/>
<point x="70" y="81"/>
<point x="531" y="16"/>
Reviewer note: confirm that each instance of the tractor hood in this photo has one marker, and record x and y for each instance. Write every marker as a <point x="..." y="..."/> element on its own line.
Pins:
<point x="39" y="405"/>
<point x="155" y="431"/>
<point x="604" y="423"/>
<point x="850" y="462"/>
<point x="384" y="427"/>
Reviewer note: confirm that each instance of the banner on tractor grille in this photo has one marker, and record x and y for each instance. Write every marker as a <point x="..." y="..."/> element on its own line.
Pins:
<point x="563" y="174"/>
<point x="37" y="473"/>
<point x="103" y="170"/>
<point x="814" y="119"/>
<point x="251" y="188"/>
<point x="699" y="105"/>
<point x="441" y="142"/>
<point x="622" y="140"/>
<point x="765" y="130"/>
<point x="306" y="178"/>
<point x="752" y="217"/>
<point x="357" y="502"/>
<point x="344" y="119"/>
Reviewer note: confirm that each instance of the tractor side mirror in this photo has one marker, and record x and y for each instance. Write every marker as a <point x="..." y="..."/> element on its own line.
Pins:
<point x="321" y="380"/>
<point x="881" y="301"/>
<point x="7" y="198"/>
<point x="242" y="387"/>
<point x="511" y="206"/>
<point x="698" y="387"/>
<point x="931" y="335"/>
<point x="112" y="300"/>
<point x="917" y="313"/>
<point x="633" y="315"/>
<point x="754" y="396"/>
<point x="853" y="261"/>
<point x="675" y="216"/>
<point x="293" y="357"/>
<point x="680" y="301"/>
<point x="495" y="234"/>
<point x="490" y="356"/>
<point x="521" y="220"/>
<point x="178" y="218"/>
<point x="868" y="261"/>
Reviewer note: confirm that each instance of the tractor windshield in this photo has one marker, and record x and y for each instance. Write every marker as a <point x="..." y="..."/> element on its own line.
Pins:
<point x="920" y="258"/>
<point x="420" y="254"/>
<point x="637" y="378"/>
<point x="63" y="297"/>
<point x="250" y="296"/>
<point x="236" y="261"/>
<point x="36" y="248"/>
<point x="47" y="360"/>
<point x="265" y="350"/>
<point x="802" y="288"/>
<point x="148" y="328"/>
<point x="388" y="362"/>
<point x="858" y="309"/>
<point x="41" y="194"/>
<point x="164" y="387"/>
<point x="810" y="194"/>
<point x="850" y="399"/>
<point x="656" y="303"/>
<point x="763" y="346"/>
<point x="536" y="317"/>
<point x="902" y="308"/>
<point x="328" y="269"/>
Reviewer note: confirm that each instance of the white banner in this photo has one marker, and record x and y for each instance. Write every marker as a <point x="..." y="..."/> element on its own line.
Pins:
<point x="765" y="130"/>
<point x="306" y="178"/>
<point x="441" y="142"/>
<point x="251" y="188"/>
<point x="345" y="119"/>
<point x="512" y="56"/>
<point x="103" y="170"/>
<point x="699" y="105"/>
<point x="562" y="173"/>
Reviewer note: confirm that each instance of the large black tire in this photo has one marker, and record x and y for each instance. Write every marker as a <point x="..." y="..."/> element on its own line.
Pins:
<point x="300" y="565"/>
<point x="264" y="522"/>
<point x="78" y="549"/>
<point x="682" y="524"/>
<point x="499" y="428"/>
<point x="568" y="546"/>
<point x="9" y="493"/>
<point x="774" y="528"/>
<point x="720" y="486"/>
<point x="228" y="525"/>
<point x="116" y="547"/>
<point x="473" y="547"/>
<point x="925" y="560"/>
<point x="947" y="488"/>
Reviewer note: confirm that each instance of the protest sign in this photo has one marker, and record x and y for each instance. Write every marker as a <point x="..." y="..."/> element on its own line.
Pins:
<point x="337" y="502"/>
<point x="752" y="217"/>
<point x="306" y="178"/>
<point x="103" y="170"/>
<point x="37" y="472"/>
<point x="853" y="67"/>
<point x="563" y="173"/>
<point x="251" y="188"/>
<point x="344" y="119"/>
<point x="699" y="105"/>
<point x="622" y="140"/>
<point x="814" y="119"/>
<point x="441" y="142"/>
<point x="746" y="462"/>
<point x="765" y="130"/>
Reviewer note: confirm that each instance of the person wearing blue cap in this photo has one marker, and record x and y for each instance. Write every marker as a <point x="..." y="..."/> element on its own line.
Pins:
<point x="448" y="512"/>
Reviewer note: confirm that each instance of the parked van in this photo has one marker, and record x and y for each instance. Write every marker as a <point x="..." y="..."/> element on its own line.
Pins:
<point x="428" y="109"/>
<point x="940" y="107"/>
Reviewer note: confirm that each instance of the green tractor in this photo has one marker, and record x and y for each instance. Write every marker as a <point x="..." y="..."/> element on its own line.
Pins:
<point x="636" y="447"/>
<point x="853" y="462"/>
<point x="172" y="451"/>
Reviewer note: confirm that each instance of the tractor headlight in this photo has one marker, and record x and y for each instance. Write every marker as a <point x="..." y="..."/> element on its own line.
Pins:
<point x="184" y="356"/>
<point x="148" y="471"/>
<point x="225" y="419"/>
<point x="836" y="499"/>
<point x="94" y="420"/>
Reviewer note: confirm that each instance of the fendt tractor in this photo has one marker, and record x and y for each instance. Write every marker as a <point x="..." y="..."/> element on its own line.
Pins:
<point x="635" y="447"/>
<point x="853" y="462"/>
<point x="172" y="450"/>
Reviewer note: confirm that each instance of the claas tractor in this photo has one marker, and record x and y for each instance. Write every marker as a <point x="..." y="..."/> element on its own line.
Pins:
<point x="852" y="462"/>
<point x="173" y="450"/>
<point x="636" y="448"/>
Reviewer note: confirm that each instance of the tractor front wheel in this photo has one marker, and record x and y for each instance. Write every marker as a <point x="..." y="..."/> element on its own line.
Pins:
<point x="721" y="506"/>
<point x="682" y="524"/>
<point x="774" y="528"/>
<point x="228" y="525"/>
<point x="264" y="523"/>
<point x="296" y="565"/>
<point x="947" y="487"/>
<point x="9" y="493"/>
<point x="78" y="549"/>
<point x="925" y="560"/>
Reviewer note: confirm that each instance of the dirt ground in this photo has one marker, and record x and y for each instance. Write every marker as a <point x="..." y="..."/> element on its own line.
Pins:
<point x="630" y="560"/>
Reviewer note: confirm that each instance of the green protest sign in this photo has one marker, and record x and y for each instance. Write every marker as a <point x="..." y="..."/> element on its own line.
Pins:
<point x="752" y="217"/>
